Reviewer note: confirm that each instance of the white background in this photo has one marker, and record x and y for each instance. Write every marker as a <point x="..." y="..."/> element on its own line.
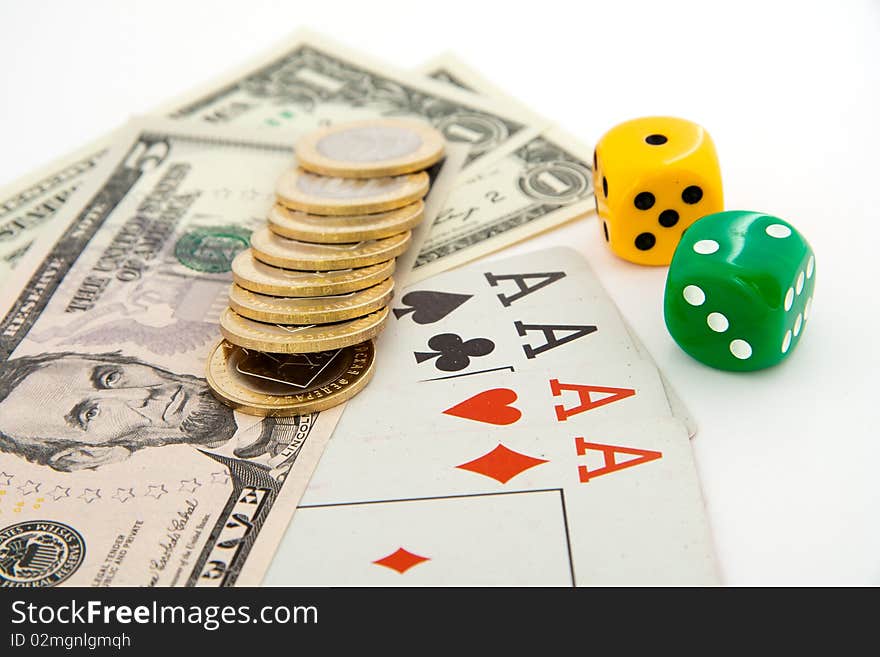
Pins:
<point x="790" y="92"/>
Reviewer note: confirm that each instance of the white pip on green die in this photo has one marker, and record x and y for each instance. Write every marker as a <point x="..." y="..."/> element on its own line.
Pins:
<point x="740" y="290"/>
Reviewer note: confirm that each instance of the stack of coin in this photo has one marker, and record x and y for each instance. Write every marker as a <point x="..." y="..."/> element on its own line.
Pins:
<point x="313" y="288"/>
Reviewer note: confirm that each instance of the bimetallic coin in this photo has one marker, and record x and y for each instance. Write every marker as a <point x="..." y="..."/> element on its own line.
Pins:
<point x="366" y="149"/>
<point x="293" y="254"/>
<point x="284" y="385"/>
<point x="335" y="230"/>
<point x="309" y="192"/>
<point x="257" y="276"/>
<point x="310" y="310"/>
<point x="299" y="339"/>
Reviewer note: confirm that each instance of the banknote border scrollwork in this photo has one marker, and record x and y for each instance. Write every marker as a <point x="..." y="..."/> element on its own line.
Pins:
<point x="280" y="81"/>
<point x="539" y="151"/>
<point x="502" y="225"/>
<point x="57" y="179"/>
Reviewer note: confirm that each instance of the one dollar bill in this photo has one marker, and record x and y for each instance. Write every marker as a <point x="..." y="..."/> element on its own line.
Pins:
<point x="521" y="190"/>
<point x="303" y="83"/>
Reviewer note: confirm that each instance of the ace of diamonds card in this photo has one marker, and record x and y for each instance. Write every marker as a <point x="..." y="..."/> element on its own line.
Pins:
<point x="514" y="433"/>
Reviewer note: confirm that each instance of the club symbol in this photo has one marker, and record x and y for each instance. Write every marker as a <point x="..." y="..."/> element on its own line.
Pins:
<point x="452" y="353"/>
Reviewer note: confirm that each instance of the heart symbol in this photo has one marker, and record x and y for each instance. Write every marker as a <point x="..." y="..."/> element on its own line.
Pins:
<point x="490" y="406"/>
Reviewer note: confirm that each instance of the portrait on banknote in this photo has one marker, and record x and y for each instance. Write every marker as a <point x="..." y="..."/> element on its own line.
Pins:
<point x="100" y="408"/>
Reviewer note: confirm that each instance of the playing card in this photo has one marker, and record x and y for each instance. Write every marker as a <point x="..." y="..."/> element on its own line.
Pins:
<point x="542" y="287"/>
<point x="509" y="539"/>
<point x="497" y="388"/>
<point x="637" y="515"/>
<point x="633" y="513"/>
<point x="679" y="408"/>
<point x="517" y="314"/>
<point x="503" y="398"/>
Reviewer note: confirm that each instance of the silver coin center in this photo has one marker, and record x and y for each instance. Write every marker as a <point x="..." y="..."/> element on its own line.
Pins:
<point x="343" y="188"/>
<point x="373" y="143"/>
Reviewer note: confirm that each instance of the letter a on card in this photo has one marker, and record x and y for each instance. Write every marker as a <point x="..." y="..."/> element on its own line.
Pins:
<point x="573" y="332"/>
<point x="609" y="454"/>
<point x="587" y="403"/>
<point x="524" y="288"/>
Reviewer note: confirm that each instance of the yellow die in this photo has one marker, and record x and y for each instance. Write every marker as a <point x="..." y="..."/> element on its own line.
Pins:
<point x="653" y="178"/>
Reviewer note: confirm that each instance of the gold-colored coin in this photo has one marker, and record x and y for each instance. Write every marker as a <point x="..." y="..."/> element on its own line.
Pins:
<point x="283" y="385"/>
<point x="257" y="276"/>
<point x="279" y="251"/>
<point x="309" y="192"/>
<point x="335" y="230"/>
<point x="310" y="310"/>
<point x="299" y="338"/>
<point x="371" y="148"/>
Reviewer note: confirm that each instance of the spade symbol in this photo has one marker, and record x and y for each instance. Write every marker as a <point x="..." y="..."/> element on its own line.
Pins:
<point x="428" y="306"/>
<point x="452" y="353"/>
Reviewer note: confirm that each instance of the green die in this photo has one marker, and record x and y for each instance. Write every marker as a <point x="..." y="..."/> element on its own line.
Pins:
<point x="739" y="290"/>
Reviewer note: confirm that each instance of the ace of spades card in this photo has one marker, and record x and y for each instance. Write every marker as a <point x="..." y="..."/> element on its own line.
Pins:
<point x="514" y="433"/>
<point x="506" y="317"/>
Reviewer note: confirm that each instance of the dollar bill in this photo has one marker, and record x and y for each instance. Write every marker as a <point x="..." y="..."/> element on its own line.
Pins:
<point x="520" y="190"/>
<point x="29" y="204"/>
<point x="303" y="83"/>
<point x="117" y="465"/>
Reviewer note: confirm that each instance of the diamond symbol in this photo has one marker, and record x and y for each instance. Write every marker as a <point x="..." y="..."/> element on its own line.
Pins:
<point x="401" y="560"/>
<point x="501" y="463"/>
